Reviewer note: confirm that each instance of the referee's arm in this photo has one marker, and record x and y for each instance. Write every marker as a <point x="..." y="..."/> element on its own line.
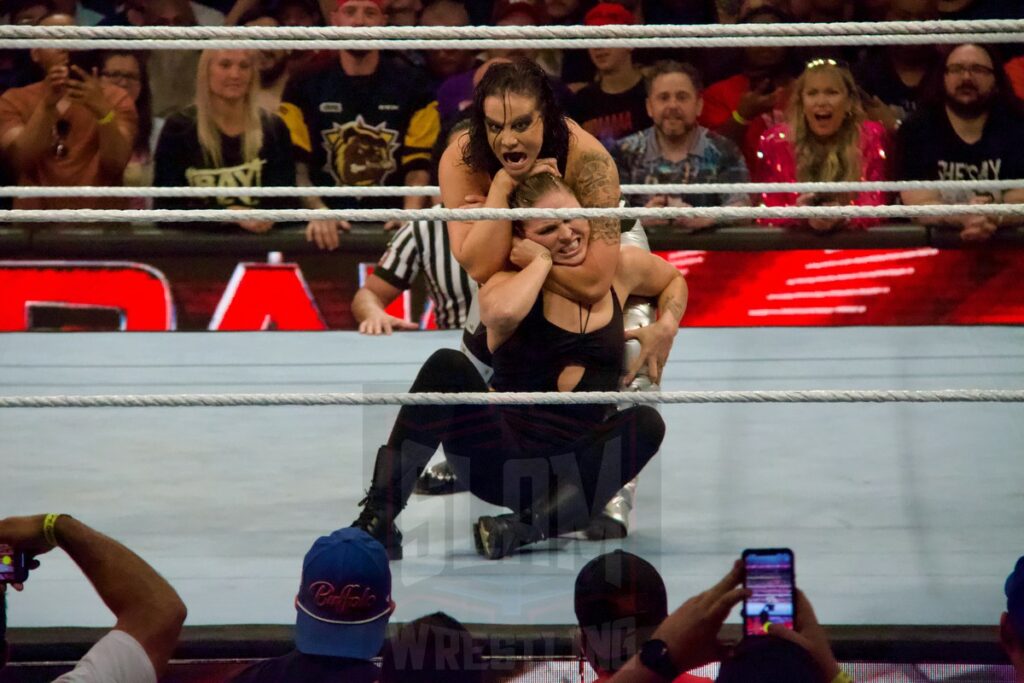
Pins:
<point x="368" y="307"/>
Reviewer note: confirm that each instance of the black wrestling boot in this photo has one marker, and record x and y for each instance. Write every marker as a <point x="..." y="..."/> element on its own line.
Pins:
<point x="502" y="535"/>
<point x="439" y="480"/>
<point x="394" y="473"/>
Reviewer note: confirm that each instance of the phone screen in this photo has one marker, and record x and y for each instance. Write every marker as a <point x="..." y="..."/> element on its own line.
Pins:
<point x="13" y="568"/>
<point x="769" y="575"/>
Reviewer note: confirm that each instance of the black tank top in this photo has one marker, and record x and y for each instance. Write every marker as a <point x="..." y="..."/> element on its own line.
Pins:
<point x="532" y="360"/>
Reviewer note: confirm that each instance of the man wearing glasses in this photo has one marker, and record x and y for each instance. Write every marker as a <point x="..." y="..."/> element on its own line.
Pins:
<point x="975" y="132"/>
<point x="70" y="128"/>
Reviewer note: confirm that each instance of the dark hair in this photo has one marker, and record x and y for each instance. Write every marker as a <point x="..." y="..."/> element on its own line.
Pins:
<point x="529" y="191"/>
<point x="143" y="105"/>
<point x="616" y="593"/>
<point x="460" y="125"/>
<point x="1004" y="97"/>
<point x="522" y="77"/>
<point x="432" y="649"/>
<point x="769" y="660"/>
<point x="670" y="66"/>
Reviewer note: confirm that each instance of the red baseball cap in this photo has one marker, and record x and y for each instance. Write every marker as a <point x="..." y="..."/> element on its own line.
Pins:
<point x="605" y="13"/>
<point x="503" y="9"/>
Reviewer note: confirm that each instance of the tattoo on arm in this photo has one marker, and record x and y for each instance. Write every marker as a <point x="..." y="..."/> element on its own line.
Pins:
<point x="672" y="307"/>
<point x="595" y="187"/>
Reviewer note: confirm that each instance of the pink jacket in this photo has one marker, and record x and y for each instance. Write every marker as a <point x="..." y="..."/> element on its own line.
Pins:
<point x="776" y="163"/>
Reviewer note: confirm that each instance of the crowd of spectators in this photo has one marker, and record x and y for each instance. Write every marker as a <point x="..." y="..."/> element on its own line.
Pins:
<point x="344" y="603"/>
<point x="233" y="118"/>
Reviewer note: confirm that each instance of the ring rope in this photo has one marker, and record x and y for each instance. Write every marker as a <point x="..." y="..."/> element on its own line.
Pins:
<point x="379" y="215"/>
<point x="433" y="190"/>
<point x="851" y="28"/>
<point x="491" y="44"/>
<point x="513" y="398"/>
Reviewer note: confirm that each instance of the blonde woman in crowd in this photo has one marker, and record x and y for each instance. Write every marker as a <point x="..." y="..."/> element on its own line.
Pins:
<point x="825" y="139"/>
<point x="225" y="140"/>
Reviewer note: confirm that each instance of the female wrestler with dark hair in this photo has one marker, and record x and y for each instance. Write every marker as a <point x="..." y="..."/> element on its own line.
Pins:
<point x="552" y="465"/>
<point x="518" y="129"/>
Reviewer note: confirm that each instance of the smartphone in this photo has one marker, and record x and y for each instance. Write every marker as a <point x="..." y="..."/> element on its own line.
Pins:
<point x="770" y="576"/>
<point x="13" y="565"/>
<point x="83" y="59"/>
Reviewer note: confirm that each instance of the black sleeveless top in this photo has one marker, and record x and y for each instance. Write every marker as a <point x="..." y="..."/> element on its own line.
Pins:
<point x="532" y="360"/>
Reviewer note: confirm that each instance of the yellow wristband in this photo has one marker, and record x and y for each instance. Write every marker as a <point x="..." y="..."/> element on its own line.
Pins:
<point x="738" y="118"/>
<point x="49" y="522"/>
<point x="109" y="118"/>
<point x="842" y="677"/>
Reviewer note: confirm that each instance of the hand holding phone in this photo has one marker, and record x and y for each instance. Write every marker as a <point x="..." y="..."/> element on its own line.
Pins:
<point x="13" y="565"/>
<point x="769" y="574"/>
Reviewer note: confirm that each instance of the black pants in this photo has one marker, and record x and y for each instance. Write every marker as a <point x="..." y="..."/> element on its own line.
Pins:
<point x="486" y="451"/>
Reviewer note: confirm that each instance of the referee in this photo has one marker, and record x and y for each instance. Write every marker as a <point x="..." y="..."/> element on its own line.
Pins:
<point x="417" y="247"/>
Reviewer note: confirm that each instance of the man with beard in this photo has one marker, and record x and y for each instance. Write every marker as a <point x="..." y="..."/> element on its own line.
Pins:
<point x="370" y="121"/>
<point x="678" y="150"/>
<point x="975" y="133"/>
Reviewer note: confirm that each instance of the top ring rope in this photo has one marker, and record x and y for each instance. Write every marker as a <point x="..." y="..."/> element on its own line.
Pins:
<point x="493" y="44"/>
<point x="485" y="37"/>
<point x="433" y="190"/>
<point x="514" y="398"/>
<point x="851" y="28"/>
<point x="372" y="215"/>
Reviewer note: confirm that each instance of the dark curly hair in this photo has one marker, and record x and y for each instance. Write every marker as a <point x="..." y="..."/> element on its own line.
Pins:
<point x="522" y="77"/>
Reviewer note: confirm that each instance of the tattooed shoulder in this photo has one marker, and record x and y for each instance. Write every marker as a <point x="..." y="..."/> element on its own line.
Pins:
<point x="597" y="185"/>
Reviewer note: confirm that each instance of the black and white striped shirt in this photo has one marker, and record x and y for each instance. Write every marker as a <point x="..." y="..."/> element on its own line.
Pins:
<point x="424" y="246"/>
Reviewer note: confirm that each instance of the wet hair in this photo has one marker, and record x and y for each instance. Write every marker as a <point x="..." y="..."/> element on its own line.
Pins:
<point x="432" y="649"/>
<point x="443" y="140"/>
<point x="837" y="159"/>
<point x="529" y="191"/>
<point x="769" y="660"/>
<point x="670" y="66"/>
<point x="521" y="77"/>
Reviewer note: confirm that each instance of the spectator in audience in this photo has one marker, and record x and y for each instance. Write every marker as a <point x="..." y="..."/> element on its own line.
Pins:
<point x="341" y="614"/>
<point x="822" y="11"/>
<point x="826" y="139"/>
<point x="225" y="140"/>
<point x="620" y="600"/>
<point x="133" y="13"/>
<point x="456" y="94"/>
<point x="893" y="78"/>
<point x="172" y="73"/>
<point x="369" y="120"/>
<point x="16" y="67"/>
<point x="127" y="70"/>
<point x="432" y="649"/>
<point x="975" y="133"/>
<point x="613" y="106"/>
<point x="1011" y="624"/>
<point x="403" y="12"/>
<point x="149" y="612"/>
<point x="744" y="106"/>
<point x="299" y="13"/>
<point x="679" y="11"/>
<point x="573" y="67"/>
<point x="443" y="64"/>
<point x="418" y="246"/>
<point x="981" y="9"/>
<point x="271" y="65"/>
<point x="676" y="149"/>
<point x="27" y="12"/>
<point x="689" y="637"/>
<point x="70" y="128"/>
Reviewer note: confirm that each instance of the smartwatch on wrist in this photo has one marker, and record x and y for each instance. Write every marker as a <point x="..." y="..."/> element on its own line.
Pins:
<point x="654" y="655"/>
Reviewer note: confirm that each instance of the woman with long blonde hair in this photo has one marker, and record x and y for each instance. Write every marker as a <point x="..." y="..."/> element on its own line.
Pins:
<point x="826" y="138"/>
<point x="225" y="140"/>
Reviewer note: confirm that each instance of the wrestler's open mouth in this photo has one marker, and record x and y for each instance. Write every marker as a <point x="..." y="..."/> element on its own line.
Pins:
<point x="514" y="157"/>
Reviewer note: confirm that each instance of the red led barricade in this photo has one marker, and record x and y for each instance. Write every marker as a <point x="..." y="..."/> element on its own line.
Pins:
<point x="920" y="286"/>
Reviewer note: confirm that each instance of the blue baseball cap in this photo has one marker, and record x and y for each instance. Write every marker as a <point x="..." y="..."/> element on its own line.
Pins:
<point x="344" y="598"/>
<point x="1015" y="596"/>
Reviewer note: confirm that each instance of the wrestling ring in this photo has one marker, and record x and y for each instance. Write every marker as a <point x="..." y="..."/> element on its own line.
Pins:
<point x="905" y="517"/>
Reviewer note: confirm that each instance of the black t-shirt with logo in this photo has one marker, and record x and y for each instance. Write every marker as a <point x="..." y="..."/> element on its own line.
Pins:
<point x="179" y="160"/>
<point x="610" y="117"/>
<point x="365" y="130"/>
<point x="296" y="666"/>
<point x="930" y="149"/>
